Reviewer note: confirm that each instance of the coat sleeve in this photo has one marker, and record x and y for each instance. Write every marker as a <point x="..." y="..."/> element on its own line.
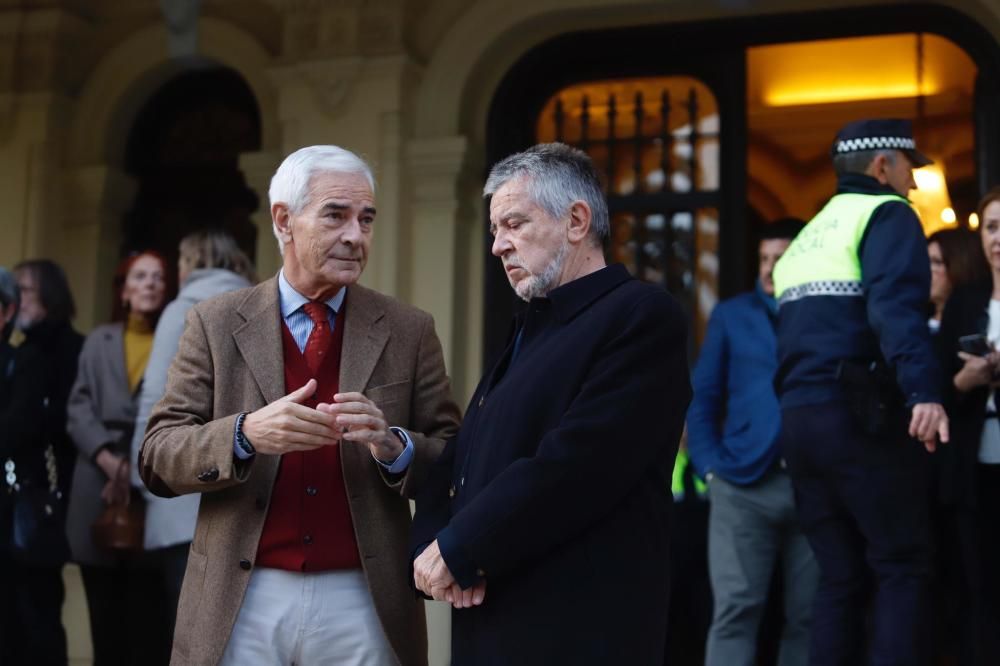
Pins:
<point x="625" y="421"/>
<point x="185" y="450"/>
<point x="704" y="434"/>
<point x="434" y="415"/>
<point x="165" y="343"/>
<point x="433" y="505"/>
<point x="83" y="410"/>
<point x="895" y="274"/>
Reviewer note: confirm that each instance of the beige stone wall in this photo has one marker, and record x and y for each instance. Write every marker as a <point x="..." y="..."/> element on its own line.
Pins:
<point x="406" y="83"/>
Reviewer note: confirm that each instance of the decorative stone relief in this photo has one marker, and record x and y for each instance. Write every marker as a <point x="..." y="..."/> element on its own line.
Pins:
<point x="181" y="17"/>
<point x="342" y="27"/>
<point x="329" y="80"/>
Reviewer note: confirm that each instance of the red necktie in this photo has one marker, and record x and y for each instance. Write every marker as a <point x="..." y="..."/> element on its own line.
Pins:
<point x="319" y="338"/>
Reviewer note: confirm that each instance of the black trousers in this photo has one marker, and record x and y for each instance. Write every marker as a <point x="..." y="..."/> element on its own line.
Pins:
<point x="31" y="630"/>
<point x="133" y="606"/>
<point x="862" y="503"/>
<point x="979" y="535"/>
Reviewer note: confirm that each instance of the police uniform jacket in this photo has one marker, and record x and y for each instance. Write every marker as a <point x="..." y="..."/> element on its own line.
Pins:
<point x="818" y="332"/>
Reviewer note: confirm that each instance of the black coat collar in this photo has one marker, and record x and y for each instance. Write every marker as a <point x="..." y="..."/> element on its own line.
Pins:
<point x="569" y="299"/>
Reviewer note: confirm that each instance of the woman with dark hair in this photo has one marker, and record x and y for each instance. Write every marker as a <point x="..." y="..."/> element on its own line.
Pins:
<point x="971" y="474"/>
<point x="956" y="257"/>
<point x="44" y="455"/>
<point x="210" y="264"/>
<point x="102" y="410"/>
<point x="30" y="568"/>
<point x="44" y="318"/>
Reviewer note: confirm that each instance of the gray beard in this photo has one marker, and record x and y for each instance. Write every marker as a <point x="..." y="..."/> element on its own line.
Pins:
<point x="540" y="285"/>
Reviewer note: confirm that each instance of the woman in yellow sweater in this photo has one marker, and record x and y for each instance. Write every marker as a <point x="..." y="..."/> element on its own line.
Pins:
<point x="101" y="416"/>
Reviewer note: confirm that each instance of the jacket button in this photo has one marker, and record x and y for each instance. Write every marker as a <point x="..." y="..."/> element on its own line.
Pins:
<point x="311" y="491"/>
<point x="245" y="565"/>
<point x="307" y="540"/>
<point x="451" y="491"/>
<point x="209" y="475"/>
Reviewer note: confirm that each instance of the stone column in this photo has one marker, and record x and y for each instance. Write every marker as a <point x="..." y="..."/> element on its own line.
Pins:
<point x="446" y="249"/>
<point x="257" y="169"/>
<point x="90" y="225"/>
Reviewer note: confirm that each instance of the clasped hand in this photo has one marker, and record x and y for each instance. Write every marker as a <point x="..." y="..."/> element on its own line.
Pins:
<point x="432" y="577"/>
<point x="286" y="425"/>
<point x="116" y="469"/>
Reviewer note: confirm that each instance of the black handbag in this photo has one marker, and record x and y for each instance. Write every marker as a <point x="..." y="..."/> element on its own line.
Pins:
<point x="38" y="530"/>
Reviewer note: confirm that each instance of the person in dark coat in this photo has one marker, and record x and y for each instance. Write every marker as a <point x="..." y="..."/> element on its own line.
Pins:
<point x="41" y="453"/>
<point x="44" y="318"/>
<point x="546" y="521"/>
<point x="30" y="628"/>
<point x="956" y="258"/>
<point x="970" y="468"/>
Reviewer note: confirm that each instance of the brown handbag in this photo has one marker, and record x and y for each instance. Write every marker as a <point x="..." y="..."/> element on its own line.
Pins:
<point x="121" y="525"/>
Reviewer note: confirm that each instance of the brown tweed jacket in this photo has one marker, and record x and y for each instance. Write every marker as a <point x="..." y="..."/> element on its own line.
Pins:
<point x="229" y="361"/>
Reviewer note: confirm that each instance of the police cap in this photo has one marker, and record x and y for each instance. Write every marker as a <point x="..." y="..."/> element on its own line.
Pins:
<point x="879" y="134"/>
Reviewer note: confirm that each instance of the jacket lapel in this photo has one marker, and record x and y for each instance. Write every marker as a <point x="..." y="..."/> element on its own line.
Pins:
<point x="259" y="339"/>
<point x="365" y="336"/>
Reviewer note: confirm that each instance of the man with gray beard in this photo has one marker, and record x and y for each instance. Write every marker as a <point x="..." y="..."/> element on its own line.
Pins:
<point x="553" y="501"/>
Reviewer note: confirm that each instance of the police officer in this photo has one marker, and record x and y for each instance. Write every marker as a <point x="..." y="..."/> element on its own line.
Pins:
<point x="857" y="380"/>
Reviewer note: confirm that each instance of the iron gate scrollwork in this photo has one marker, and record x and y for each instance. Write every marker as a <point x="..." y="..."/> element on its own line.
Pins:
<point x="656" y="141"/>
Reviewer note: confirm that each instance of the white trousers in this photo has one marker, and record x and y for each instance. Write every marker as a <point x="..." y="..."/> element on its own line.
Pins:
<point x="301" y="619"/>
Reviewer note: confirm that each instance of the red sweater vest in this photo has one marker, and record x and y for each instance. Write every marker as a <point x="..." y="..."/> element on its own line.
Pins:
<point x="308" y="525"/>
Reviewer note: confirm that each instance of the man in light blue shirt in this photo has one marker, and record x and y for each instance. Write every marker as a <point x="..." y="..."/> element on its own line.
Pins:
<point x="305" y="410"/>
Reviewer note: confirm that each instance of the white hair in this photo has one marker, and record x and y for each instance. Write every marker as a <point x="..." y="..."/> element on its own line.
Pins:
<point x="290" y="183"/>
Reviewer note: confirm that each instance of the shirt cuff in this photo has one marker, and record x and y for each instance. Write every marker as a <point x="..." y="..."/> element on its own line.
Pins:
<point x="238" y="450"/>
<point x="402" y="461"/>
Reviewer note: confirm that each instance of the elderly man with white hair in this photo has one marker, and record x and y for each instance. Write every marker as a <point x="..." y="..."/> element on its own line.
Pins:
<point x="305" y="410"/>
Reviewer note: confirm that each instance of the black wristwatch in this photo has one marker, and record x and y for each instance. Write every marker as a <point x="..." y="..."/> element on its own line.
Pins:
<point x="241" y="439"/>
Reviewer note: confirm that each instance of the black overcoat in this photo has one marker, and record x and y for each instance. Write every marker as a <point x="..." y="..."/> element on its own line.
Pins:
<point x="966" y="313"/>
<point x="557" y="487"/>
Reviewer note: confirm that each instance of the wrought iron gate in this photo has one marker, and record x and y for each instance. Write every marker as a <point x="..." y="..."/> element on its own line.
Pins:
<point x="656" y="140"/>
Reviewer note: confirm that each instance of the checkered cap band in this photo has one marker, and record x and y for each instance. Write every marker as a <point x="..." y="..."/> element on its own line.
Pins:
<point x="822" y="288"/>
<point x="876" y="143"/>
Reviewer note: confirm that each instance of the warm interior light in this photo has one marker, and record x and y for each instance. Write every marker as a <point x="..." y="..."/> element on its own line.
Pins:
<point x="839" y="70"/>
<point x="931" y="198"/>
<point x="973" y="221"/>
<point x="825" y="92"/>
<point x="929" y="178"/>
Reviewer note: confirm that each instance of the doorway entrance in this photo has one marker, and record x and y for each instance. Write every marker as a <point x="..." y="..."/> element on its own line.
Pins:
<point x="706" y="131"/>
<point x="183" y="150"/>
